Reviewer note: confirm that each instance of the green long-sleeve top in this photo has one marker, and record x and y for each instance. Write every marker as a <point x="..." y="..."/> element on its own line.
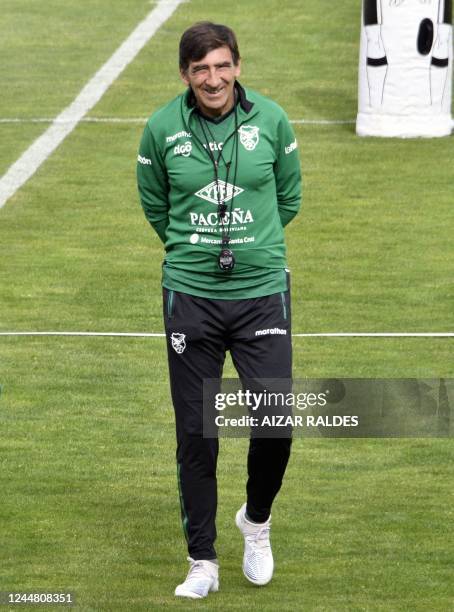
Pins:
<point x="258" y="177"/>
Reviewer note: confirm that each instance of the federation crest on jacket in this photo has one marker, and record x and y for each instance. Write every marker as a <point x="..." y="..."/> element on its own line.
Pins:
<point x="249" y="136"/>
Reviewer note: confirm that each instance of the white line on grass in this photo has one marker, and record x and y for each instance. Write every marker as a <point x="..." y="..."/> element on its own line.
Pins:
<point x="75" y="333"/>
<point x="142" y="120"/>
<point x="29" y="162"/>
<point x="308" y="335"/>
<point x="82" y="120"/>
<point x="323" y="121"/>
<point x="377" y="335"/>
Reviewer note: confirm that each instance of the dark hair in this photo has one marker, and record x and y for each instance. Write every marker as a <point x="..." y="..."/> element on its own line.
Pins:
<point x="203" y="37"/>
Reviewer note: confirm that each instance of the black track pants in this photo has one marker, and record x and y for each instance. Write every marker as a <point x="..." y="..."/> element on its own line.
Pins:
<point x="199" y="332"/>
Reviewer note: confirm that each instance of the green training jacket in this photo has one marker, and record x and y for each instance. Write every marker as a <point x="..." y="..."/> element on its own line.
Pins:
<point x="259" y="180"/>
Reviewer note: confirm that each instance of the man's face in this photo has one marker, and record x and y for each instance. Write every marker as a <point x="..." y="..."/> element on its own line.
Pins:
<point x="212" y="80"/>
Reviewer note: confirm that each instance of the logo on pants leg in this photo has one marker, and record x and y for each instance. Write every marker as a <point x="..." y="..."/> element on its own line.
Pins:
<point x="178" y="342"/>
<point x="271" y="332"/>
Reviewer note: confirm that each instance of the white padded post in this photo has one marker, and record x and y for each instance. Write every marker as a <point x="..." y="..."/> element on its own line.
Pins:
<point x="405" y="68"/>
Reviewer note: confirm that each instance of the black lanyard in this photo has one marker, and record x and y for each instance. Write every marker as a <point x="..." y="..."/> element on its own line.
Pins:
<point x="226" y="259"/>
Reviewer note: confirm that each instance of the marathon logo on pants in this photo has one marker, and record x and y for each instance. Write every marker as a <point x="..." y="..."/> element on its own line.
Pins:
<point x="271" y="332"/>
<point x="178" y="342"/>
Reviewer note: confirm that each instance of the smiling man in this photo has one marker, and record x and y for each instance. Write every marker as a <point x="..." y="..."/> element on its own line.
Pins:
<point x="212" y="81"/>
<point x="219" y="178"/>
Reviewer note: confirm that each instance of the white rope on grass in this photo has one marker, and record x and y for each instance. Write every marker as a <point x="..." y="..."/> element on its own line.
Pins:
<point x="323" y="121"/>
<point x="76" y="333"/>
<point x="141" y="120"/>
<point x="63" y="121"/>
<point x="377" y="335"/>
<point x="297" y="335"/>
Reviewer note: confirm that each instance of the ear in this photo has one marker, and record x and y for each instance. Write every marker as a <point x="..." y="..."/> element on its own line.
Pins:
<point x="184" y="77"/>
<point x="237" y="69"/>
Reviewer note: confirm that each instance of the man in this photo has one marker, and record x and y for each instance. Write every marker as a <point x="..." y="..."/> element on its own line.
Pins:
<point x="219" y="178"/>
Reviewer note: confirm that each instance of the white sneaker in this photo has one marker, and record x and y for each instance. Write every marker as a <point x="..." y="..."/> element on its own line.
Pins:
<point x="258" y="561"/>
<point x="203" y="577"/>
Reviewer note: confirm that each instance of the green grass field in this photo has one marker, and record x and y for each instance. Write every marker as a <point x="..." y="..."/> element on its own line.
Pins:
<point x="88" y="497"/>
